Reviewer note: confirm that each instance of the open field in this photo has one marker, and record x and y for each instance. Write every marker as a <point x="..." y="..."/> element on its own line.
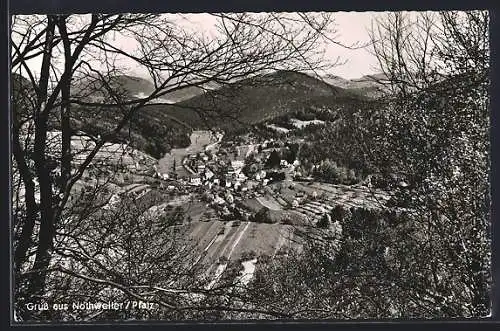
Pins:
<point x="253" y="204"/>
<point x="232" y="240"/>
<point x="250" y="240"/>
<point x="195" y="209"/>
<point x="346" y="195"/>
<point x="300" y="124"/>
<point x="269" y="202"/>
<point x="109" y="153"/>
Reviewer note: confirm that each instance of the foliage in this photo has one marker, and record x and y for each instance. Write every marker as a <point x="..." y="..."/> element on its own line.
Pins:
<point x="428" y="256"/>
<point x="329" y="172"/>
<point x="262" y="216"/>
<point x="60" y="250"/>
<point x="273" y="160"/>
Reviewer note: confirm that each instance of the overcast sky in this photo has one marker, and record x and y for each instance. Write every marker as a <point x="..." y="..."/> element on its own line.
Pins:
<point x="352" y="27"/>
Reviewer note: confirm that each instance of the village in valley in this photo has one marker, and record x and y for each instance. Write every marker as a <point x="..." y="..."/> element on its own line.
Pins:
<point x="242" y="199"/>
<point x="250" y="165"/>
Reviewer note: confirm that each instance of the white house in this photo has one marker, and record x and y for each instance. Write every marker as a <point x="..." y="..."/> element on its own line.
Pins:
<point x="209" y="174"/>
<point x="229" y="198"/>
<point x="115" y="199"/>
<point x="218" y="200"/>
<point x="237" y="164"/>
<point x="260" y="175"/>
<point x="162" y="176"/>
<point x="195" y="180"/>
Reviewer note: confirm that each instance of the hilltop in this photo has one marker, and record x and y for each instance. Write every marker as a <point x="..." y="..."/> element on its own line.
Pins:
<point x="252" y="100"/>
<point x="130" y="87"/>
<point x="159" y="127"/>
<point x="370" y="86"/>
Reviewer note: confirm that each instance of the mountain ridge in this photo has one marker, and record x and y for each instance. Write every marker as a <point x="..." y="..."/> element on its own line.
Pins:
<point x="159" y="127"/>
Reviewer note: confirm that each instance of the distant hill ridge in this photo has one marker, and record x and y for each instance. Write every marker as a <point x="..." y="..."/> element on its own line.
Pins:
<point x="159" y="127"/>
<point x="252" y="100"/>
<point x="368" y="85"/>
<point x="133" y="86"/>
<point x="137" y="87"/>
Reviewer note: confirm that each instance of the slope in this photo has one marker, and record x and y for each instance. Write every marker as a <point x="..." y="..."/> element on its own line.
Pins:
<point x="251" y="101"/>
<point x="157" y="128"/>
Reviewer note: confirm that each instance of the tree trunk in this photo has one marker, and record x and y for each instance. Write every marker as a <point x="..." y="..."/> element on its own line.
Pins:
<point x="46" y="232"/>
<point x="65" y="106"/>
<point x="24" y="240"/>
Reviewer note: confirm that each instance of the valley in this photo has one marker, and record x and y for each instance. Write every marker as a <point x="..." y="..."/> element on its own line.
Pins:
<point x="240" y="166"/>
<point x="238" y="182"/>
<point x="235" y="214"/>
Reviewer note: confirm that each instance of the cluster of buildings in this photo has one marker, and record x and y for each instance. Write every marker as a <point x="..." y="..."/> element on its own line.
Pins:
<point x="225" y="167"/>
<point x="232" y="172"/>
<point x="214" y="170"/>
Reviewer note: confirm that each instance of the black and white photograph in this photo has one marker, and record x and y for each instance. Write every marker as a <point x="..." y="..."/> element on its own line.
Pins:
<point x="250" y="166"/>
